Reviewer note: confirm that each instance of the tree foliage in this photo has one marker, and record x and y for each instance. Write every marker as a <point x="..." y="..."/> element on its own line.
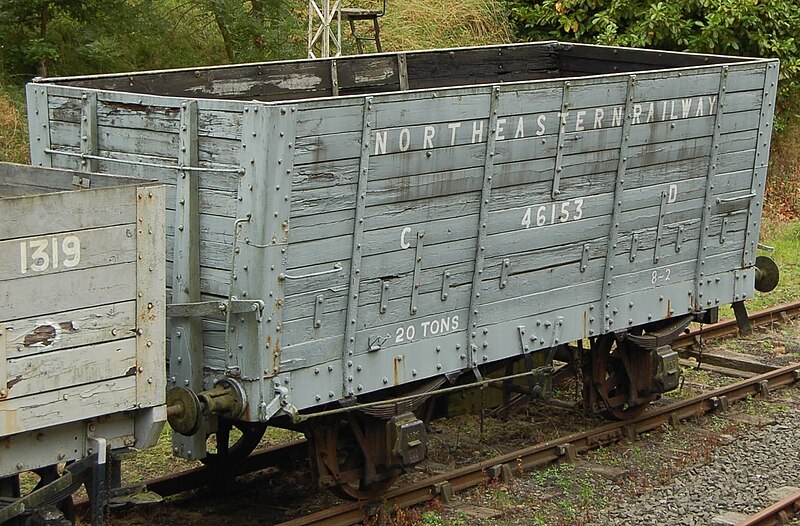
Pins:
<point x="64" y="37"/>
<point x="736" y="27"/>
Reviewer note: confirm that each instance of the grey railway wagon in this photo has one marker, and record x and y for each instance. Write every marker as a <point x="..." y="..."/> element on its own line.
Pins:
<point x="81" y="315"/>
<point x="349" y="225"/>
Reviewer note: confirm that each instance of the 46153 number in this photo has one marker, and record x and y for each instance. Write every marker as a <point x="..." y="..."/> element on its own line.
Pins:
<point x="558" y="212"/>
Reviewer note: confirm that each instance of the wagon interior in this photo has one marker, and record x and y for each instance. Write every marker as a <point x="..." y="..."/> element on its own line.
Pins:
<point x="363" y="74"/>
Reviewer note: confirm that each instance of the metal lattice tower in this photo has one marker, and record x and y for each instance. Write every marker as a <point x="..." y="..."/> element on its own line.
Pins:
<point x="324" y="28"/>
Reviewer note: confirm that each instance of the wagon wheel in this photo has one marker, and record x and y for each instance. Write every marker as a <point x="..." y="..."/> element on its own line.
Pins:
<point x="337" y="456"/>
<point x="613" y="377"/>
<point x="361" y="489"/>
<point x="229" y="453"/>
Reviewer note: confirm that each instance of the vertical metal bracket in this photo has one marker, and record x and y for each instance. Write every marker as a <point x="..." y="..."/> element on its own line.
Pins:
<point x="562" y="131"/>
<point x="402" y="71"/>
<point x="679" y="238"/>
<point x="585" y="257"/>
<point x="4" y="362"/>
<point x="445" y="285"/>
<point x="417" y="271"/>
<point x="557" y="326"/>
<point x="384" y="297"/>
<point x="319" y="303"/>
<point x="186" y="334"/>
<point x="483" y="219"/>
<point x="619" y="184"/>
<point x="662" y="214"/>
<point x="39" y="124"/>
<point x="758" y="183"/>
<point x="634" y="247"/>
<point x="709" y="190"/>
<point x="334" y="78"/>
<point x="742" y="320"/>
<point x="262" y="234"/>
<point x="357" y="252"/>
<point x="723" y="231"/>
<point x="99" y="483"/>
<point x="523" y="344"/>
<point x="89" y="143"/>
<point x="504" y="272"/>
<point x="186" y="250"/>
<point x="740" y="286"/>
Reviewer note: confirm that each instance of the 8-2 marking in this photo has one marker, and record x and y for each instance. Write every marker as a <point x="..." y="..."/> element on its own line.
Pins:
<point x="660" y="275"/>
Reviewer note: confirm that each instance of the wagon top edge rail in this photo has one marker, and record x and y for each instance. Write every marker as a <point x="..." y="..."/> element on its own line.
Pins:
<point x="357" y="75"/>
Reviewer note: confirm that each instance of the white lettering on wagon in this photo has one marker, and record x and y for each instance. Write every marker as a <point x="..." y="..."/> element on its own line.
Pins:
<point x="429" y="136"/>
<point x="40" y="254"/>
<point x="551" y="213"/>
<point x="427" y="328"/>
<point x="404" y="244"/>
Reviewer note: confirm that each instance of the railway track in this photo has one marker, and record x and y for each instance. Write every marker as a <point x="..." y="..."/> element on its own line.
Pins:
<point x="565" y="448"/>
<point x="778" y="513"/>
<point x="292" y="453"/>
<point x="726" y="328"/>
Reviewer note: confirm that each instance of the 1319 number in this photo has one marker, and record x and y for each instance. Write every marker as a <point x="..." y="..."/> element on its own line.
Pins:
<point x="38" y="255"/>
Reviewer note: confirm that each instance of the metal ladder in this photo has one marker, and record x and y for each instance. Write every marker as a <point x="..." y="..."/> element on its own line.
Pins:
<point x="353" y="15"/>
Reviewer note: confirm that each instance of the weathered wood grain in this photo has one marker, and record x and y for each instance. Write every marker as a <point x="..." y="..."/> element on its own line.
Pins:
<point x="39" y="215"/>
<point x="81" y="402"/>
<point x="76" y="328"/>
<point x="62" y="369"/>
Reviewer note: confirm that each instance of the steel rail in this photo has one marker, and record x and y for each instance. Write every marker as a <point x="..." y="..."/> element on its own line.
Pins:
<point x="562" y="448"/>
<point x="729" y="328"/>
<point x="778" y="513"/>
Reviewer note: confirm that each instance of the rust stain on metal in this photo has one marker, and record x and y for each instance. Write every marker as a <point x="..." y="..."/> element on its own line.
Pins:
<point x="585" y="324"/>
<point x="285" y="231"/>
<point x="669" y="308"/>
<point x="12" y="424"/>
<point x="276" y="363"/>
<point x="396" y="364"/>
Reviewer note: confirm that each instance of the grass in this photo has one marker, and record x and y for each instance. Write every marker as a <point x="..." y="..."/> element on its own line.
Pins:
<point x="418" y="24"/>
<point x="784" y="235"/>
<point x="13" y="125"/>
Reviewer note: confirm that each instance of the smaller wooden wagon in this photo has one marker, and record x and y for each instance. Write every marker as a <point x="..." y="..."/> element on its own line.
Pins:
<point x="81" y="323"/>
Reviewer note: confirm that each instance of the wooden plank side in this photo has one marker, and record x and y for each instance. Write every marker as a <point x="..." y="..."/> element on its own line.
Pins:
<point x="67" y="211"/>
<point x="40" y="295"/>
<point x="480" y="66"/>
<point x="163" y="117"/>
<point x="67" y="251"/>
<point x="367" y="74"/>
<point x="641" y="57"/>
<point x="76" y="328"/>
<point x="62" y="369"/>
<point x="265" y="81"/>
<point x="67" y="405"/>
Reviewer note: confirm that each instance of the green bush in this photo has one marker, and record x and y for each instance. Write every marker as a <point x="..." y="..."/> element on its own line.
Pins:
<point x="733" y="27"/>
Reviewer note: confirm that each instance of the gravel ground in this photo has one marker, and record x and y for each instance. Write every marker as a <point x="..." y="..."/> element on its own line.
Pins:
<point x="738" y="478"/>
